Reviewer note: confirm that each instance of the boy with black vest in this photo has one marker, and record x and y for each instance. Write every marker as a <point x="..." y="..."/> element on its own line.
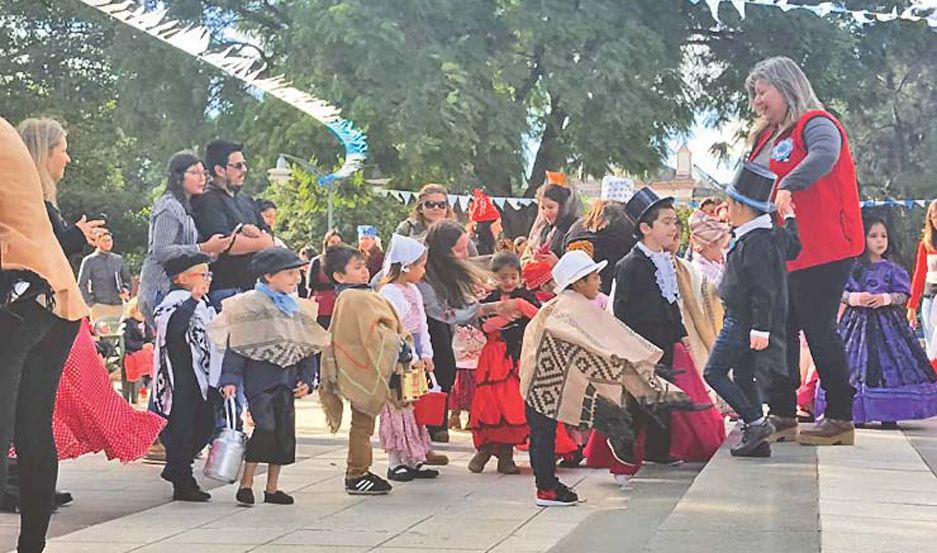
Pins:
<point x="753" y="340"/>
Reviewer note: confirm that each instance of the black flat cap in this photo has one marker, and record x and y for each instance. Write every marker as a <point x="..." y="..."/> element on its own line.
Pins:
<point x="273" y="260"/>
<point x="182" y="263"/>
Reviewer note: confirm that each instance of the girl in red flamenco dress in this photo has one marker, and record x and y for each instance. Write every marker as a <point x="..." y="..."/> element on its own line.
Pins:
<point x="497" y="416"/>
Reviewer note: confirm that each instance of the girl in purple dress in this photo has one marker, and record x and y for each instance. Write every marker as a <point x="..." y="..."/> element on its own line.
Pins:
<point x="893" y="379"/>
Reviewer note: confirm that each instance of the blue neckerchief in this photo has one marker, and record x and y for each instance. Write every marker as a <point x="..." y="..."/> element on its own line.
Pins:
<point x="284" y="302"/>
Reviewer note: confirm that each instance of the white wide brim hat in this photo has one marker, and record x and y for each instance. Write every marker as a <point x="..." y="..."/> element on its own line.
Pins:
<point x="573" y="266"/>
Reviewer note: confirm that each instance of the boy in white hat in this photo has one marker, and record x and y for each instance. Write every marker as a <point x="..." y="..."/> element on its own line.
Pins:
<point x="578" y="366"/>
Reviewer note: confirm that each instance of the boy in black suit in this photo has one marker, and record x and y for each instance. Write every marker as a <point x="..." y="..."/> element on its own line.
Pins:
<point x="645" y="299"/>
<point x="753" y="339"/>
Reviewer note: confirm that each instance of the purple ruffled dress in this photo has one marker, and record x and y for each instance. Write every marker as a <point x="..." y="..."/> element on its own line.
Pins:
<point x="893" y="378"/>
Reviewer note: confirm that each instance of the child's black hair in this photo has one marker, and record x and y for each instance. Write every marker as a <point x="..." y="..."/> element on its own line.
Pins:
<point x="337" y="258"/>
<point x="869" y="220"/>
<point x="651" y="216"/>
<point x="504" y="259"/>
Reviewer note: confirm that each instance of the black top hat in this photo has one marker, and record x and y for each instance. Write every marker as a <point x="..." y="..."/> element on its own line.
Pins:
<point x="642" y="202"/>
<point x="182" y="263"/>
<point x="273" y="260"/>
<point x="752" y="186"/>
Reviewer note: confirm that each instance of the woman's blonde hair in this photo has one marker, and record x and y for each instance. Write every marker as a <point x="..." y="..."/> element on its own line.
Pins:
<point x="429" y="190"/>
<point x="930" y="233"/>
<point x="784" y="74"/>
<point x="41" y="135"/>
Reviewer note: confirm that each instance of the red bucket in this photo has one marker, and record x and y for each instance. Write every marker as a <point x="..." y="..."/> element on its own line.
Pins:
<point x="430" y="410"/>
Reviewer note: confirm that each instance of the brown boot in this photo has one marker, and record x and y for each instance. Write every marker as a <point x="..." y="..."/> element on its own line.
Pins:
<point x="785" y="429"/>
<point x="481" y="458"/>
<point x="436" y="459"/>
<point x="829" y="432"/>
<point x="506" y="463"/>
<point x="455" y="421"/>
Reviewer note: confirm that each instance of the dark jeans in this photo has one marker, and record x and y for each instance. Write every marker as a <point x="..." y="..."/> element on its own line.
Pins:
<point x="440" y="335"/>
<point x="542" y="448"/>
<point x="190" y="426"/>
<point x="732" y="352"/>
<point x="215" y="297"/>
<point x="814" y="301"/>
<point x="33" y="352"/>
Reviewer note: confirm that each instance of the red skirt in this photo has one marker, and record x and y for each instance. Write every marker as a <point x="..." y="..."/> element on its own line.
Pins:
<point x="463" y="390"/>
<point x="695" y="435"/>
<point x="497" y="414"/>
<point x="90" y="416"/>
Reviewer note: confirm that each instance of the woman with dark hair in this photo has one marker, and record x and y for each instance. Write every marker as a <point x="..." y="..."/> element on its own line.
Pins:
<point x="450" y="293"/>
<point x="172" y="229"/>
<point x="319" y="284"/>
<point x="807" y="148"/>
<point x="892" y="375"/>
<point x="558" y="208"/>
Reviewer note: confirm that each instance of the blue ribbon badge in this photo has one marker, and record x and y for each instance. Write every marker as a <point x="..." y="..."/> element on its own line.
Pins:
<point x="782" y="150"/>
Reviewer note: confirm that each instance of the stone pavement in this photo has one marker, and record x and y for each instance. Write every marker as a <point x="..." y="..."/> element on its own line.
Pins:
<point x="880" y="495"/>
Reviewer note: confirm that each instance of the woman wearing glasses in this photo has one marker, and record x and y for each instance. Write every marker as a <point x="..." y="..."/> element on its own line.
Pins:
<point x="432" y="205"/>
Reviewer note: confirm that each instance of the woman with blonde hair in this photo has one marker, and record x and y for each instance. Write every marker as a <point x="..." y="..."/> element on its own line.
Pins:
<point x="432" y="206"/>
<point x="47" y="143"/>
<point x="807" y="148"/>
<point x="924" y="281"/>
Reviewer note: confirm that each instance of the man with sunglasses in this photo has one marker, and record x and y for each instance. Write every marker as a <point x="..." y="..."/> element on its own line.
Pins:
<point x="225" y="209"/>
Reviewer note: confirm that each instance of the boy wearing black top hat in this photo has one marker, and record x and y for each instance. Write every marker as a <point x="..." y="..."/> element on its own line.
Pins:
<point x="753" y="339"/>
<point x="270" y="338"/>
<point x="184" y="372"/>
<point x="645" y="299"/>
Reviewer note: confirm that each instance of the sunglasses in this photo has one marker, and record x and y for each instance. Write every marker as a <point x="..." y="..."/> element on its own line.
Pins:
<point x="435" y="205"/>
<point x="240" y="166"/>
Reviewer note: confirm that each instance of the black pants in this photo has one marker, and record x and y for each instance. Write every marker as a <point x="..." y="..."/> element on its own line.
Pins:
<point x="542" y="448"/>
<point x="815" y="295"/>
<point x="32" y="354"/>
<point x="440" y="335"/>
<point x="191" y="424"/>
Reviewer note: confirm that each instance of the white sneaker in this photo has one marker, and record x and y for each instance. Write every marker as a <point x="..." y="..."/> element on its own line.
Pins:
<point x="624" y="481"/>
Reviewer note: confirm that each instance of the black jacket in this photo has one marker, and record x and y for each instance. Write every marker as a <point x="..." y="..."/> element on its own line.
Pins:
<point x="134" y="338"/>
<point x="754" y="287"/>
<point x="610" y="244"/>
<point x="638" y="304"/>
<point x="217" y="212"/>
<point x="69" y="236"/>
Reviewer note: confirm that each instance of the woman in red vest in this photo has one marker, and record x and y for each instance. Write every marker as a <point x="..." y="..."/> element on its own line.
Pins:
<point x="807" y="148"/>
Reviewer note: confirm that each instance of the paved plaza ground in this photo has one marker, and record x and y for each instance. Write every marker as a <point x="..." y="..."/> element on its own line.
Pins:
<point x="880" y="495"/>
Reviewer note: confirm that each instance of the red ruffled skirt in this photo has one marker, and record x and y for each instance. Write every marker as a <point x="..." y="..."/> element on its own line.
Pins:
<point x="90" y="416"/>
<point x="463" y="390"/>
<point x="695" y="435"/>
<point x="497" y="413"/>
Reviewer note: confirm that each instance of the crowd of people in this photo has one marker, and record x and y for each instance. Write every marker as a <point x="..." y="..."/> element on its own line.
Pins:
<point x="593" y="341"/>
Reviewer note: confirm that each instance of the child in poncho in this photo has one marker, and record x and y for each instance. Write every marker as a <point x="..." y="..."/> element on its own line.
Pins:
<point x="406" y="442"/>
<point x="270" y="339"/>
<point x="366" y="348"/>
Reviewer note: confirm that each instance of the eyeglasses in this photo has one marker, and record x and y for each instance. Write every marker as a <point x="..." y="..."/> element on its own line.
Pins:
<point x="435" y="205"/>
<point x="240" y="166"/>
<point x="203" y="174"/>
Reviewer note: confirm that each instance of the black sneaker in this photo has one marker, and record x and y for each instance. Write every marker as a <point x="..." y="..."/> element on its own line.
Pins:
<point x="420" y="473"/>
<point x="666" y="462"/>
<point x="278" y="497"/>
<point x="752" y="437"/>
<point x="762" y="450"/>
<point x="63" y="498"/>
<point x="560" y="496"/>
<point x="400" y="473"/>
<point x="369" y="484"/>
<point x="245" y="496"/>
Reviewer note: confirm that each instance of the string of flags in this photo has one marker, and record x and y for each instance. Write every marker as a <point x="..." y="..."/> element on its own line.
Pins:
<point x="462" y="201"/>
<point x="911" y="13"/>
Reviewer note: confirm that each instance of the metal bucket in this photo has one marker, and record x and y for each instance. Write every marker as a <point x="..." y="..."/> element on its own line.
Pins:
<point x="227" y="450"/>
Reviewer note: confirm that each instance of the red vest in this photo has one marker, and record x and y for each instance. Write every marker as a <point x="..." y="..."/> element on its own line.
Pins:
<point x="829" y="219"/>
